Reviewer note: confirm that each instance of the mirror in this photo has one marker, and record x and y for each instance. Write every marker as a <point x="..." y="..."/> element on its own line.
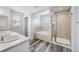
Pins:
<point x="3" y="21"/>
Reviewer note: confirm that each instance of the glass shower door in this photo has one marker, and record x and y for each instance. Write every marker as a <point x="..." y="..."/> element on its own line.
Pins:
<point x="63" y="28"/>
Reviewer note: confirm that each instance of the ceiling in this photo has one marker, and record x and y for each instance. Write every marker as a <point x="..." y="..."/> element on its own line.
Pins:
<point x="32" y="9"/>
<point x="28" y="9"/>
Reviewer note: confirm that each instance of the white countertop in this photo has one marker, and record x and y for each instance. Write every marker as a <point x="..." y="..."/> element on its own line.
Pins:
<point x="4" y="46"/>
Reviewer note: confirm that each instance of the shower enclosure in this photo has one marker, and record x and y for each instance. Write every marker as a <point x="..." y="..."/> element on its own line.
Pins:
<point x="61" y="25"/>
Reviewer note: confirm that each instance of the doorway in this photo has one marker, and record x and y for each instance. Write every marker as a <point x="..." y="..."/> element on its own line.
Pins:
<point x="26" y="26"/>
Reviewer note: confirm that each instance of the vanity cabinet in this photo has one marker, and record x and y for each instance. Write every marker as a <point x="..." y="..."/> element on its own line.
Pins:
<point x="22" y="47"/>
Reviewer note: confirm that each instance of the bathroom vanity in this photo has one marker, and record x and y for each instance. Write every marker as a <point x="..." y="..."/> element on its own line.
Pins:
<point x="13" y="42"/>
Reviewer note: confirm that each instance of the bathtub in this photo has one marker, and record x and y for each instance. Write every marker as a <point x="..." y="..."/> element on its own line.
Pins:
<point x="42" y="35"/>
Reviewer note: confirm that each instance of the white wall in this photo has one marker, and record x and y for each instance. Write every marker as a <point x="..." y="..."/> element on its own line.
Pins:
<point x="75" y="29"/>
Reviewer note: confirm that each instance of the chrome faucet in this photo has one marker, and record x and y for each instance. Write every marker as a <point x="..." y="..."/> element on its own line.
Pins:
<point x="2" y="37"/>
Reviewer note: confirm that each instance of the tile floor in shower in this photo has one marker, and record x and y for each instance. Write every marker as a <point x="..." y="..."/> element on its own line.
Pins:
<point x="37" y="45"/>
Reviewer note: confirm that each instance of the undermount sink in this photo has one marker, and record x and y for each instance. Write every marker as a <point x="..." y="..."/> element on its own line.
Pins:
<point x="9" y="38"/>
